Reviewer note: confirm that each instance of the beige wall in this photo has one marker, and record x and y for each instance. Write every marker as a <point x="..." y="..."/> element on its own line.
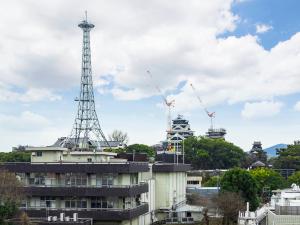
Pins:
<point x="47" y="156"/>
<point x="170" y="188"/>
<point x="53" y="154"/>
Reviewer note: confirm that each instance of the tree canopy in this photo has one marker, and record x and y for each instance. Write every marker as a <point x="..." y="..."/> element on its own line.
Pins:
<point x="207" y="153"/>
<point x="140" y="148"/>
<point x="14" y="156"/>
<point x="240" y="181"/>
<point x="136" y="148"/>
<point x="213" y="181"/>
<point x="294" y="178"/>
<point x="267" y="180"/>
<point x="10" y="195"/>
<point x="288" y="158"/>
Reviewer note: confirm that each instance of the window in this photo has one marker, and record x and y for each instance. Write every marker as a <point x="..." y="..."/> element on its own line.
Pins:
<point x="73" y="179"/>
<point x="76" y="203"/>
<point x="193" y="182"/>
<point x="89" y="159"/>
<point x="39" y="154"/>
<point x="37" y="179"/>
<point x="105" y="179"/>
<point x="47" y="201"/>
<point x="101" y="202"/>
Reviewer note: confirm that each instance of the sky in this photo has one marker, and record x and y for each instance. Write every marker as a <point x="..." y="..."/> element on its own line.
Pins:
<point x="242" y="56"/>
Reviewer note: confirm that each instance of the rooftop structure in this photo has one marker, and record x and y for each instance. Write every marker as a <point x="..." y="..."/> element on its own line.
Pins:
<point x="284" y="208"/>
<point x="216" y="133"/>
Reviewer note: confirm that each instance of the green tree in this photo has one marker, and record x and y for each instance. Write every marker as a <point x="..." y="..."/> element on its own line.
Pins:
<point x="207" y="153"/>
<point x="294" y="178"/>
<point x="240" y="181"/>
<point x="10" y="195"/>
<point x="140" y="148"/>
<point x="14" y="156"/>
<point x="288" y="158"/>
<point x="115" y="150"/>
<point x="267" y="180"/>
<point x="213" y="181"/>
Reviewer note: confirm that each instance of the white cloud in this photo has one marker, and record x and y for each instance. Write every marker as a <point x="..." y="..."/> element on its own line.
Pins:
<point x="297" y="106"/>
<point x="178" y="42"/>
<point x="30" y="128"/>
<point x="261" y="109"/>
<point x="27" y="121"/>
<point x="31" y="95"/>
<point x="263" y="28"/>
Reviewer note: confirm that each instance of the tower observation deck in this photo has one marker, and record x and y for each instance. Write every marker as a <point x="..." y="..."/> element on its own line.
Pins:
<point x="86" y="132"/>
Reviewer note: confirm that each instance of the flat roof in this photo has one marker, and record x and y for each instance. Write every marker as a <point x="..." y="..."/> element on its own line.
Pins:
<point x="32" y="149"/>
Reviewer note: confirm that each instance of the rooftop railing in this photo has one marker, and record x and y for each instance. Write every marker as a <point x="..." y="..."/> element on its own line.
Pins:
<point x="80" y="163"/>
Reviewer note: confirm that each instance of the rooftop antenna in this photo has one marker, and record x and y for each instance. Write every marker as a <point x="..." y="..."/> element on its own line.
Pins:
<point x="85" y="12"/>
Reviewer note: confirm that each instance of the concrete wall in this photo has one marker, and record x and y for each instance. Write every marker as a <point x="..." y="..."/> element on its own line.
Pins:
<point x="170" y="188"/>
<point x="47" y="156"/>
<point x="273" y="219"/>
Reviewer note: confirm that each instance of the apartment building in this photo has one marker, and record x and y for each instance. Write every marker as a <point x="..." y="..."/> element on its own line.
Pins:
<point x="101" y="187"/>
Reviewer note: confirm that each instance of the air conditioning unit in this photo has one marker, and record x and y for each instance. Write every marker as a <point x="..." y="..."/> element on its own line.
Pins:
<point x="75" y="217"/>
<point x="33" y="154"/>
<point x="54" y="218"/>
<point x="62" y="216"/>
<point x="49" y="219"/>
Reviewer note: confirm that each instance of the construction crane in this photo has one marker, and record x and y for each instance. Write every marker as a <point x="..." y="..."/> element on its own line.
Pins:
<point x="211" y="115"/>
<point x="169" y="105"/>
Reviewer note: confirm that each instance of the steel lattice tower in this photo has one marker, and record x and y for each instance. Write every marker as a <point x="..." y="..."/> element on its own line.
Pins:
<point x="86" y="131"/>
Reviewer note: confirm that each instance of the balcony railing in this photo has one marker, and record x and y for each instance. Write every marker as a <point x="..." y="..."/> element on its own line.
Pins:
<point x="53" y="182"/>
<point x="112" y="214"/>
<point x="76" y="167"/>
<point x="88" y="190"/>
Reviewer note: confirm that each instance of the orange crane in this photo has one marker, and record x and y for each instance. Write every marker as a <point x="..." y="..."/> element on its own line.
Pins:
<point x="169" y="104"/>
<point x="211" y="115"/>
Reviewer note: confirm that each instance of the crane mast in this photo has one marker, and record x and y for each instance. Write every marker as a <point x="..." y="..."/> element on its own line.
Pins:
<point x="211" y="115"/>
<point x="169" y="105"/>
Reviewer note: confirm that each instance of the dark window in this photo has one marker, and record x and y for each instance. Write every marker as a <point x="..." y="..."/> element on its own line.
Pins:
<point x="101" y="202"/>
<point x="89" y="159"/>
<point x="39" y="154"/>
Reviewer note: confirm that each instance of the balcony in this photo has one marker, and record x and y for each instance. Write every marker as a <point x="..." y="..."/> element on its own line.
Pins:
<point x="111" y="214"/>
<point x="87" y="190"/>
<point x="76" y="167"/>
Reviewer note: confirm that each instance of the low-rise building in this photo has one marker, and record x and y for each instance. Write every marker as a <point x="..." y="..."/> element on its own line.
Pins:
<point x="284" y="208"/>
<point x="102" y="187"/>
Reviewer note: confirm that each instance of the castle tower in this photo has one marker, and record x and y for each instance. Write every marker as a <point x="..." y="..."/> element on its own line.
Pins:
<point x="180" y="131"/>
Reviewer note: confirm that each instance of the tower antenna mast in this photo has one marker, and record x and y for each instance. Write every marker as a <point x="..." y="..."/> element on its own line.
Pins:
<point x="86" y="132"/>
